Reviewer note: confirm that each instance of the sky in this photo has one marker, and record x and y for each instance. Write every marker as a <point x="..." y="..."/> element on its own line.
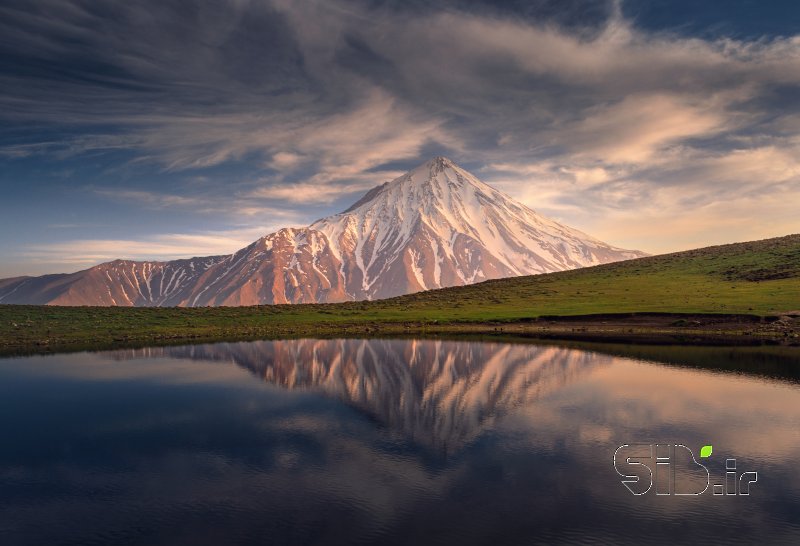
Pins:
<point x="163" y="129"/>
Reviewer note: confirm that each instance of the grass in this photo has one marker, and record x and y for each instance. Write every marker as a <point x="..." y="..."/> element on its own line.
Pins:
<point x="759" y="278"/>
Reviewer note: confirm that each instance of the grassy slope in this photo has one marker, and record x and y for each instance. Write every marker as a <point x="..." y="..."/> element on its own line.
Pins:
<point x="761" y="278"/>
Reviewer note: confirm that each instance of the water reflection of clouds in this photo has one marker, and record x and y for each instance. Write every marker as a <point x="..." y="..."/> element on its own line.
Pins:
<point x="753" y="420"/>
<point x="444" y="393"/>
<point x="441" y="394"/>
<point x="528" y="433"/>
<point x="755" y="417"/>
<point x="150" y="365"/>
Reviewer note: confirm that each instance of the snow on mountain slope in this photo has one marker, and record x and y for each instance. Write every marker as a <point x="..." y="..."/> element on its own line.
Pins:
<point x="436" y="226"/>
<point x="289" y="266"/>
<point x="121" y="282"/>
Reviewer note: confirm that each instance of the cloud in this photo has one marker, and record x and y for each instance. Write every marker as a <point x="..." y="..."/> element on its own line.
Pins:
<point x="285" y="160"/>
<point x="638" y="127"/>
<point x="591" y="119"/>
<point x="153" y="199"/>
<point x="259" y="202"/>
<point x="89" y="252"/>
<point x="307" y="192"/>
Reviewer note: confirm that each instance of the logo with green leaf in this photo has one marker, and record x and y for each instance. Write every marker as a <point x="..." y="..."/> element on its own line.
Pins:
<point x="671" y="469"/>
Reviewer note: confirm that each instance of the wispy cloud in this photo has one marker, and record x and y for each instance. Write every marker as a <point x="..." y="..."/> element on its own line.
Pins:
<point x="307" y="192"/>
<point x="88" y="252"/>
<point x="593" y="120"/>
<point x="150" y="198"/>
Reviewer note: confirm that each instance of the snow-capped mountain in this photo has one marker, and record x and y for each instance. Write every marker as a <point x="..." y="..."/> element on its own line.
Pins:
<point x="438" y="226"/>
<point x="433" y="227"/>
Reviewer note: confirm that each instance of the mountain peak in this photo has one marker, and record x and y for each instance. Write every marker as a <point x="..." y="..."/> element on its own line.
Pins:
<point x="440" y="162"/>
<point x="432" y="167"/>
<point x="437" y="225"/>
<point x="418" y="178"/>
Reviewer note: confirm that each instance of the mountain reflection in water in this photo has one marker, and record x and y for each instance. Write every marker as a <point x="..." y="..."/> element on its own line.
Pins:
<point x="392" y="442"/>
<point x="440" y="394"/>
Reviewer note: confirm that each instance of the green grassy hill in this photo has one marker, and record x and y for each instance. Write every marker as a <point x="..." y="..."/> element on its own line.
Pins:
<point x="759" y="277"/>
<point x="755" y="278"/>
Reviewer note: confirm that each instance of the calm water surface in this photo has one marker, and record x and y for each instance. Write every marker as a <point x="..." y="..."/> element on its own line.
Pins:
<point x="391" y="442"/>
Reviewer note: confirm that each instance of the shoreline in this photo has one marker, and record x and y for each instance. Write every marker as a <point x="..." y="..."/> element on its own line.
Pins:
<point x="634" y="328"/>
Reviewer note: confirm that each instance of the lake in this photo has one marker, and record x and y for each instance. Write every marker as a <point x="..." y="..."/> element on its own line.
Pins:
<point x="401" y="442"/>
